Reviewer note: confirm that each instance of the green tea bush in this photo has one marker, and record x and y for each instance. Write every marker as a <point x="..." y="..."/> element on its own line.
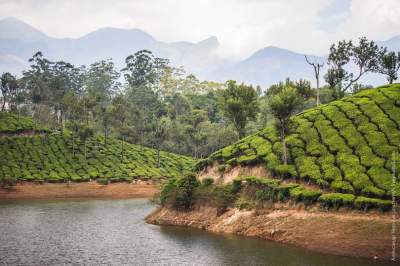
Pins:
<point x="336" y="200"/>
<point x="286" y="171"/>
<point x="50" y="158"/>
<point x="307" y="196"/>
<point x="365" y="203"/>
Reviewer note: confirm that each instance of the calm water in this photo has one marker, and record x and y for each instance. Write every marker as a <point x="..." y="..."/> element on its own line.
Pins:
<point x="112" y="232"/>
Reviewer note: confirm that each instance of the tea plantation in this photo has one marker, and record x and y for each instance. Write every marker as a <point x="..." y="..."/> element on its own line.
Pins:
<point x="50" y="158"/>
<point x="344" y="147"/>
<point x="14" y="124"/>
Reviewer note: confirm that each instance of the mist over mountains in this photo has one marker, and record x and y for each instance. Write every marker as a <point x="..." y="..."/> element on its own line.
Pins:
<point x="19" y="41"/>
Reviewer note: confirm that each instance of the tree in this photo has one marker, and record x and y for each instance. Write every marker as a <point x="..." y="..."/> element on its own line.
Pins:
<point x="283" y="105"/>
<point x="101" y="81"/>
<point x="47" y="83"/>
<point x="317" y="67"/>
<point x="85" y="132"/>
<point x="120" y="118"/>
<point x="193" y="131"/>
<point x="364" y="56"/>
<point x="8" y="88"/>
<point x="239" y="105"/>
<point x="143" y="69"/>
<point x="64" y="77"/>
<point x="388" y="64"/>
<point x="160" y="134"/>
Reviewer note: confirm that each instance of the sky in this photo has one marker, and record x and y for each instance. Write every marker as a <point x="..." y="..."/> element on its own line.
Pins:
<point x="241" y="26"/>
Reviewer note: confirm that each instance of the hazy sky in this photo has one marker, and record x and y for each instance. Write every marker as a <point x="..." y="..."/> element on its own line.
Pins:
<point x="242" y="26"/>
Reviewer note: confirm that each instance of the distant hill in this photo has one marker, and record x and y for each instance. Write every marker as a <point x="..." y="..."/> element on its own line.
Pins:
<point x="268" y="66"/>
<point x="19" y="41"/>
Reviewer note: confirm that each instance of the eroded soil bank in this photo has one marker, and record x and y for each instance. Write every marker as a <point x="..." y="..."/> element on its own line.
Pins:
<point x="79" y="190"/>
<point x="336" y="233"/>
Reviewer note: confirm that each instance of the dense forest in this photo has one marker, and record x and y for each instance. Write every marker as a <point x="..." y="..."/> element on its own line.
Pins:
<point x="153" y="104"/>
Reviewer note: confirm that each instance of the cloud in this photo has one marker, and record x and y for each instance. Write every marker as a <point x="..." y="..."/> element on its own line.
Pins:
<point x="242" y="26"/>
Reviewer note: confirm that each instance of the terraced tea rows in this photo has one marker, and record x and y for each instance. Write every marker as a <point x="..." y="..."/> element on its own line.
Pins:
<point x="12" y="123"/>
<point x="345" y="146"/>
<point x="50" y="158"/>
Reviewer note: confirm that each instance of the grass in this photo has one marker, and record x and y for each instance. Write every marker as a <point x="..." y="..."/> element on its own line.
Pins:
<point x="344" y="147"/>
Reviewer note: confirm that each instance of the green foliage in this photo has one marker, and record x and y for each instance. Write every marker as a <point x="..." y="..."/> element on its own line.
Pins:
<point x="336" y="200"/>
<point x="178" y="192"/>
<point x="344" y="146"/>
<point x="7" y="182"/>
<point x="368" y="203"/>
<point x="50" y="158"/>
<point x="305" y="195"/>
<point x="12" y="124"/>
<point x="239" y="105"/>
<point x="207" y="181"/>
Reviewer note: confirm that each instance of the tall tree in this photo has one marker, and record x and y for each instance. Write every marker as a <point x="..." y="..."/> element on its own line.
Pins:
<point x="239" y="105"/>
<point x="283" y="105"/>
<point x="101" y="81"/>
<point x="144" y="69"/>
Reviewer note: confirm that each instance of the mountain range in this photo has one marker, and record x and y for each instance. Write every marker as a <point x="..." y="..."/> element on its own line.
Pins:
<point x="19" y="41"/>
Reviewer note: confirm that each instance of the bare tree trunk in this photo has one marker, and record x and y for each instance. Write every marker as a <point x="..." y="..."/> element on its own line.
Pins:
<point x="105" y="136"/>
<point x="318" y="101"/>
<point x="122" y="148"/>
<point x="158" y="156"/>
<point x="85" y="149"/>
<point x="284" y="150"/>
<point x="62" y="121"/>
<point x="4" y="103"/>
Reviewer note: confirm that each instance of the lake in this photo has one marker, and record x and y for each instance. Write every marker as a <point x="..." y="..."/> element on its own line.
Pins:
<point x="113" y="232"/>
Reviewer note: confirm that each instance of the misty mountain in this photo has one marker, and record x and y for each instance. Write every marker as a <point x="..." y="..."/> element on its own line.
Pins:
<point x="19" y="41"/>
<point x="268" y="66"/>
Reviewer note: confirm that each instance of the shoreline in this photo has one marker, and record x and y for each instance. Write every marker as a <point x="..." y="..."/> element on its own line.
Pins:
<point x="84" y="190"/>
<point x="348" y="234"/>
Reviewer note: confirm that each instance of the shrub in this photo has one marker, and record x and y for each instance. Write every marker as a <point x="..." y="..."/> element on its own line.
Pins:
<point x="283" y="191"/>
<point x="342" y="186"/>
<point x="286" y="171"/>
<point x="272" y="162"/>
<point x="221" y="168"/>
<point x="365" y="204"/>
<point x="247" y="159"/>
<point x="7" y="182"/>
<point x="207" y="181"/>
<point x="336" y="200"/>
<point x="222" y="197"/>
<point x="242" y="203"/>
<point x="307" y="167"/>
<point x="179" y="192"/>
<point x="300" y="193"/>
<point x="102" y="181"/>
<point x="236" y="186"/>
